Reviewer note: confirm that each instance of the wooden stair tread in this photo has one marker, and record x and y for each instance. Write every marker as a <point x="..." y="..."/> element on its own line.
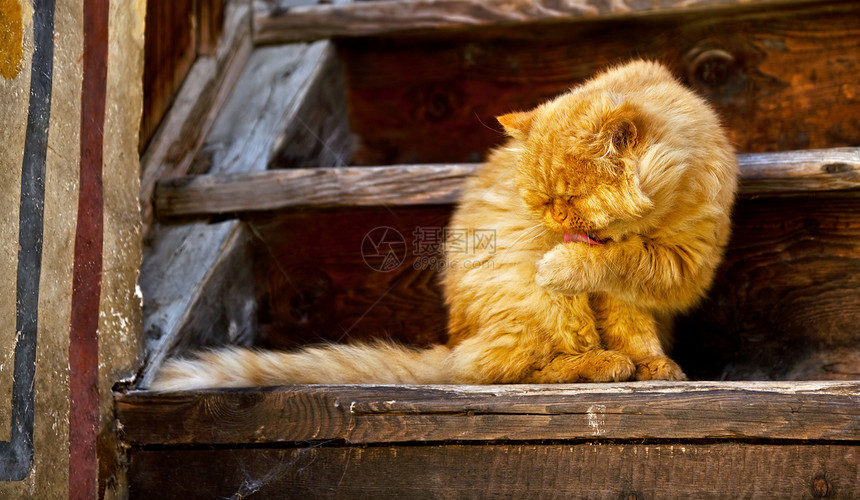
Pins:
<point x="386" y="414"/>
<point x="282" y="21"/>
<point x="762" y="174"/>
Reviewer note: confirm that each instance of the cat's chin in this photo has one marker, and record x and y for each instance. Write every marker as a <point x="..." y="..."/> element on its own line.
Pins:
<point x="588" y="238"/>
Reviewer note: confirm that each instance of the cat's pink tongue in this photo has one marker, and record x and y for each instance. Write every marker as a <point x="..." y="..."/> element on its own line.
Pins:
<point x="581" y="237"/>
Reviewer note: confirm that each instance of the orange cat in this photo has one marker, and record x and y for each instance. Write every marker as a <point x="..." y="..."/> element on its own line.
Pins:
<point x="610" y="206"/>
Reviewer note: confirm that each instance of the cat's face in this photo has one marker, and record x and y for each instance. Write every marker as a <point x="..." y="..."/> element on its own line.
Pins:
<point x="577" y="168"/>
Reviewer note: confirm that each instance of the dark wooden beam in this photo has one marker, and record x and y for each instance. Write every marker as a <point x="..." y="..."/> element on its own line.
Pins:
<point x="384" y="414"/>
<point x="762" y="174"/>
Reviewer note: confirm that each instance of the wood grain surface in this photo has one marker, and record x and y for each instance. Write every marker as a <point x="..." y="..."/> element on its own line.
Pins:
<point x="540" y="470"/>
<point x="316" y="132"/>
<point x="196" y="280"/>
<point x="398" y="185"/>
<point x="797" y="173"/>
<point x="169" y="53"/>
<point x="318" y="279"/>
<point x="283" y="21"/>
<point x="786" y="301"/>
<point x="265" y="102"/>
<point x="382" y="414"/>
<point x="194" y="108"/>
<point x="196" y="283"/>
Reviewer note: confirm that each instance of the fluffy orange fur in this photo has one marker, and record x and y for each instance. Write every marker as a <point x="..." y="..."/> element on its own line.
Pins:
<point x="611" y="209"/>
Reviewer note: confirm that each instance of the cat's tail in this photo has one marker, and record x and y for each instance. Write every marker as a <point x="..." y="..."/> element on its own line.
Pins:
<point x="370" y="363"/>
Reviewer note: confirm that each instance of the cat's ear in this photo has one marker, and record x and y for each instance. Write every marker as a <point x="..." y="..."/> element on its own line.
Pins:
<point x="517" y="124"/>
<point x="619" y="134"/>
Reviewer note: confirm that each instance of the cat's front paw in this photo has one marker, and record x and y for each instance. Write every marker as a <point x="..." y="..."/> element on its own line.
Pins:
<point x="560" y="270"/>
<point x="659" y="368"/>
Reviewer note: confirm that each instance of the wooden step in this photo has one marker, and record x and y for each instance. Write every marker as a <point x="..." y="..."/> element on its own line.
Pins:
<point x="654" y="439"/>
<point x="791" y="173"/>
<point x="287" y="21"/>
<point x="358" y="414"/>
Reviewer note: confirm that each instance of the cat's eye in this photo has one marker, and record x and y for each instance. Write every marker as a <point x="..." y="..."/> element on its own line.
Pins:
<point x="536" y="198"/>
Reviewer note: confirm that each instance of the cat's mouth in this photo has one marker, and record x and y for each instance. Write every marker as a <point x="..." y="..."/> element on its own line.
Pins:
<point x="589" y="238"/>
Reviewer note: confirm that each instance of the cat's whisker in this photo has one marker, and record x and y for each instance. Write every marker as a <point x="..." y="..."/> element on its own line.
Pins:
<point x="487" y="126"/>
<point x="608" y="265"/>
<point x="525" y="232"/>
<point x="533" y="238"/>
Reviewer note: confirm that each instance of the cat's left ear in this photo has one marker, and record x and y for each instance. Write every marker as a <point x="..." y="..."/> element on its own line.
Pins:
<point x="619" y="133"/>
<point x="517" y="124"/>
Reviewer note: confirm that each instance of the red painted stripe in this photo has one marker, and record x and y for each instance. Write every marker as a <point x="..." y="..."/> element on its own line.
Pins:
<point x="86" y="280"/>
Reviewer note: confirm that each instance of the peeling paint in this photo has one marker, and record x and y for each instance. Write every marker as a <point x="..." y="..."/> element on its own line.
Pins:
<point x="597" y="419"/>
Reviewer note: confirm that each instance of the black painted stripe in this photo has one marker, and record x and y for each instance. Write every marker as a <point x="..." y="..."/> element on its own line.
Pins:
<point x="16" y="455"/>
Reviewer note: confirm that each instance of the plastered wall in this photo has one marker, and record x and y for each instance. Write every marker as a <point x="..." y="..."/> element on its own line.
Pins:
<point x="70" y="104"/>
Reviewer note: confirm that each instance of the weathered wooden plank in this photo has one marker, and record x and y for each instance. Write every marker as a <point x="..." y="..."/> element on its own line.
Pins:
<point x="197" y="290"/>
<point x="317" y="132"/>
<point x="763" y="174"/>
<point x="170" y="48"/>
<point x="288" y="108"/>
<point x="209" y="26"/>
<point x="799" y="172"/>
<point x="578" y="470"/>
<point x="271" y="91"/>
<point x="282" y="21"/>
<point x="400" y="185"/>
<point x="379" y="414"/>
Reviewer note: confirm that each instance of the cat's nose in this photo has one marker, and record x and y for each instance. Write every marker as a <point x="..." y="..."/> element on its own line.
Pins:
<point x="558" y="210"/>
